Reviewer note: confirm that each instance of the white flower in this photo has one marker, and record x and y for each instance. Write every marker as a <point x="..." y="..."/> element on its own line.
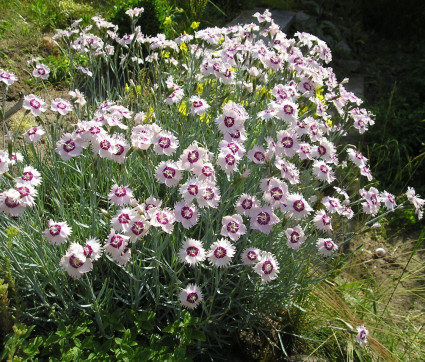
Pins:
<point x="57" y="232"/>
<point x="41" y="71"/>
<point x="61" y="106"/>
<point x="251" y="256"/>
<point x="221" y="253"/>
<point x="34" y="104"/>
<point x="326" y="247"/>
<point x="192" y="252"/>
<point x="120" y="195"/>
<point x="191" y="296"/>
<point x="7" y="77"/>
<point x="362" y="334"/>
<point x="75" y="262"/>
<point x="233" y="227"/>
<point x="267" y="267"/>
<point x="295" y="237"/>
<point x="297" y="207"/>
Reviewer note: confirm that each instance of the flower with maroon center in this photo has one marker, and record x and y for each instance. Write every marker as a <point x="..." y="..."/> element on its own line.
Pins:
<point x="207" y="171"/>
<point x="192" y="252"/>
<point x="245" y="204"/>
<point x="7" y="77"/>
<point x="297" y="207"/>
<point x="193" y="156"/>
<point x="137" y="228"/>
<point x="233" y="147"/>
<point x="75" y="261"/>
<point x="259" y="156"/>
<point x="164" y="219"/>
<point x="120" y="195"/>
<point x="267" y="267"/>
<point x="322" y="221"/>
<point x="233" y="227"/>
<point x="34" y="104"/>
<point x="23" y="191"/>
<point x="361" y="337"/>
<point x="210" y="196"/>
<point x="221" y="253"/>
<point x="186" y="214"/>
<point x="88" y="250"/>
<point x="263" y="219"/>
<point x="168" y="174"/>
<point x="198" y="105"/>
<point x="250" y="256"/>
<point x="326" y="247"/>
<point x="58" y="232"/>
<point x="190" y="297"/>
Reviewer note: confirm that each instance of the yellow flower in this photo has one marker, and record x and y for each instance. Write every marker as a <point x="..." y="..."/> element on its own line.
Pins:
<point x="183" y="47"/>
<point x="329" y="123"/>
<point x="319" y="93"/>
<point x="167" y="20"/>
<point x="183" y="109"/>
<point x="165" y="54"/>
<point x="199" y="88"/>
<point x="195" y="25"/>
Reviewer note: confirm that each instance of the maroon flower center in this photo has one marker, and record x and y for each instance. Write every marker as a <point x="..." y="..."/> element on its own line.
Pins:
<point x="124" y="219"/>
<point x="32" y="131"/>
<point x="120" y="192"/>
<point x="229" y="121"/>
<point x="235" y="135"/>
<point x="220" y="252"/>
<point x="207" y="171"/>
<point x="267" y="267"/>
<point x="105" y="145"/>
<point x="120" y="150"/>
<point x="197" y="104"/>
<point x="333" y="203"/>
<point x="246" y="204"/>
<point x="193" y="156"/>
<point x="24" y="191"/>
<point x="69" y="146"/>
<point x="88" y="250"/>
<point x="251" y="255"/>
<point x="298" y="205"/>
<point x="186" y="212"/>
<point x="5" y="75"/>
<point x="169" y="172"/>
<point x="230" y="160"/>
<point x="10" y="203"/>
<point x="295" y="237"/>
<point x="287" y="142"/>
<point x="288" y="109"/>
<point x="192" y="297"/>
<point x="233" y="147"/>
<point x="326" y="220"/>
<point x="263" y="218"/>
<point x="41" y="71"/>
<point x="259" y="156"/>
<point x="94" y="130"/>
<point x="138" y="227"/>
<point x="328" y="244"/>
<point x="162" y="218"/>
<point x="164" y="142"/>
<point x="35" y="104"/>
<point x="274" y="60"/>
<point x="324" y="169"/>
<point x="27" y="176"/>
<point x="75" y="262"/>
<point x="193" y="190"/>
<point x="209" y="193"/>
<point x="116" y="241"/>
<point x="322" y="150"/>
<point x="276" y="193"/>
<point x="60" y="105"/>
<point x="55" y="230"/>
<point x="192" y="251"/>
<point x="307" y="86"/>
<point x="233" y="227"/>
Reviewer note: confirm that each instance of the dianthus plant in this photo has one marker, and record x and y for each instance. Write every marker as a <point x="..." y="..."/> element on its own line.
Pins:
<point x="208" y="172"/>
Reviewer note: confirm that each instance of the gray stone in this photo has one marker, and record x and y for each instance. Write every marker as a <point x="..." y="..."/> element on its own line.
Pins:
<point x="283" y="18"/>
<point x="343" y="47"/>
<point x="301" y="18"/>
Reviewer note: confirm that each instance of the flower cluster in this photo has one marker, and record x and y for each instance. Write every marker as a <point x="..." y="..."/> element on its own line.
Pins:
<point x="234" y="149"/>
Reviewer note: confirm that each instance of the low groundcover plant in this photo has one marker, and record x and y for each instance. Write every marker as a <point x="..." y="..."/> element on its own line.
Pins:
<point x="209" y="172"/>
